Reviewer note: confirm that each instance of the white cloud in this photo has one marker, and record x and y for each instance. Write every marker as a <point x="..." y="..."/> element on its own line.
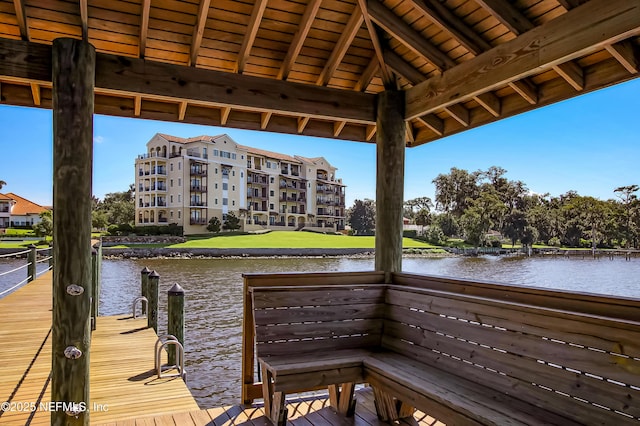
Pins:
<point x="98" y="139"/>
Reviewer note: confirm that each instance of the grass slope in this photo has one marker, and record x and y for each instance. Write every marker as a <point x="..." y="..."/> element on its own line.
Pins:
<point x="290" y="239"/>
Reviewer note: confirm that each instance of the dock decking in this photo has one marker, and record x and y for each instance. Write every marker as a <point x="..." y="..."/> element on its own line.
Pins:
<point x="123" y="382"/>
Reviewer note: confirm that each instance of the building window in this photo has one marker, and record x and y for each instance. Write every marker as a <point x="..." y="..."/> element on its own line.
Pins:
<point x="179" y="165"/>
<point x="179" y="180"/>
<point x="215" y="201"/>
<point x="233" y="173"/>
<point x="215" y="185"/>
<point x="204" y="153"/>
<point x="171" y="166"/>
<point x="271" y="207"/>
<point x="171" y="183"/>
<point x="233" y="156"/>
<point x="225" y="186"/>
<point x="178" y="197"/>
<point x="242" y="157"/>
<point x="233" y="202"/>
<point x="272" y="179"/>
<point x="215" y="152"/>
<point x="216" y="170"/>
<point x="178" y="214"/>
<point x="272" y="193"/>
<point x="233" y="187"/>
<point x="171" y="214"/>
<point x="225" y="201"/>
<point x="268" y="164"/>
<point x="171" y="198"/>
<point x="241" y="174"/>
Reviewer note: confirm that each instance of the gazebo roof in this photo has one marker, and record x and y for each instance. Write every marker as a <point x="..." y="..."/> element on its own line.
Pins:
<point x="314" y="67"/>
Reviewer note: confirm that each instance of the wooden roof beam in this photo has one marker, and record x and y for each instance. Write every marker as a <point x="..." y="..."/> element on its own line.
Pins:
<point x="137" y="105"/>
<point x="367" y="75"/>
<point x="507" y="14"/>
<point x="371" y="130"/>
<point x="387" y="79"/>
<point x="459" y="113"/>
<point x="433" y="122"/>
<point x="405" y="34"/>
<point x="198" y="31"/>
<point x="526" y="89"/>
<point x="410" y="134"/>
<point x="343" y="44"/>
<point x="84" y="18"/>
<point x="627" y="54"/>
<point x="302" y="123"/>
<point x="21" y="17"/>
<point x="35" y="92"/>
<point x="490" y="102"/>
<point x="224" y="115"/>
<point x="403" y="68"/>
<point x="250" y="34"/>
<point x="569" y="36"/>
<point x="129" y="77"/>
<point x="337" y="128"/>
<point x="144" y="25"/>
<point x="182" y="110"/>
<point x="440" y="15"/>
<point x="300" y="36"/>
<point x="264" y="119"/>
<point x="570" y="4"/>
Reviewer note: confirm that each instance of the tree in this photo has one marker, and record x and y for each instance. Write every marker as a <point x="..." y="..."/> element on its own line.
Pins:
<point x="362" y="216"/>
<point x="423" y="218"/>
<point x="414" y="206"/>
<point x="119" y="207"/>
<point x="455" y="190"/>
<point x="231" y="222"/>
<point x="630" y="201"/>
<point x="99" y="219"/>
<point x="2" y="183"/>
<point x="477" y="219"/>
<point x="45" y="227"/>
<point x="214" y="225"/>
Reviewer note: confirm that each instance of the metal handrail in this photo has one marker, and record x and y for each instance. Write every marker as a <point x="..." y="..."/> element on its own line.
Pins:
<point x="16" y="269"/>
<point x="145" y="301"/>
<point x="171" y="340"/>
<point x="44" y="248"/>
<point x="44" y="259"/>
<point x="14" y="254"/>
<point x="42" y="272"/>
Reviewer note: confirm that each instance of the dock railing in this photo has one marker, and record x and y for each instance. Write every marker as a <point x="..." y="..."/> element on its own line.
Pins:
<point x="33" y="260"/>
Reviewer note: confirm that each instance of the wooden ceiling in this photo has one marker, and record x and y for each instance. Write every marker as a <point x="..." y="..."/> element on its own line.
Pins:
<point x="314" y="67"/>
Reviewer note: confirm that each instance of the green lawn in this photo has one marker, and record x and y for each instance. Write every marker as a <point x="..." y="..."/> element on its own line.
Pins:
<point x="286" y="239"/>
<point x="19" y="244"/>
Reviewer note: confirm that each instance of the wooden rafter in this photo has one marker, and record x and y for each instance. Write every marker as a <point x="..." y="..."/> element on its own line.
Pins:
<point x="387" y="79"/>
<point x="459" y="113"/>
<point x="526" y="89"/>
<point x="250" y="34"/>
<point x="410" y="134"/>
<point x="572" y="73"/>
<point x="224" y="115"/>
<point x="84" y="18"/>
<point x="405" y="34"/>
<point x="367" y="75"/>
<point x="198" y="31"/>
<point x="302" y="123"/>
<point x="440" y="15"/>
<point x="434" y="123"/>
<point x="137" y="106"/>
<point x="21" y="17"/>
<point x="35" y="92"/>
<point x="507" y="14"/>
<point x="627" y="54"/>
<point x="144" y="25"/>
<point x="570" y="4"/>
<point x="343" y="44"/>
<point x="300" y="36"/>
<point x="574" y="34"/>
<point x="337" y="128"/>
<point x="264" y="119"/>
<point x="490" y="102"/>
<point x="182" y="110"/>
<point x="371" y="130"/>
<point x="403" y="68"/>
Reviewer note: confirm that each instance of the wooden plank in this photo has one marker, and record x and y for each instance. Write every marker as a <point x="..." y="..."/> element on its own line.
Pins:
<point x="21" y="17"/>
<point x="387" y="79"/>
<point x="284" y="348"/>
<point x="433" y="122"/>
<point x="582" y="30"/>
<point x="299" y="38"/>
<point x="526" y="89"/>
<point x="341" y="47"/>
<point x="508" y="15"/>
<point x="198" y="31"/>
<point x="250" y="34"/>
<point x="269" y="336"/>
<point x="277" y="297"/>
<point x="144" y="25"/>
<point x="403" y="68"/>
<point x="627" y="54"/>
<point x="490" y="102"/>
<point x="572" y="73"/>
<point x="367" y="75"/>
<point x="459" y="113"/>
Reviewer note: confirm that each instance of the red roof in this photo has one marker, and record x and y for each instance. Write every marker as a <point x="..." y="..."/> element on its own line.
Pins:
<point x="23" y="206"/>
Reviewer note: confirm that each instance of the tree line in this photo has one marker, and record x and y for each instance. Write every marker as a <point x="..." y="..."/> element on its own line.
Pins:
<point x="484" y="208"/>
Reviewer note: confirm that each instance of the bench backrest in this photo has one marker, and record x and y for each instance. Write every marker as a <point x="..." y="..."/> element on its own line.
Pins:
<point x="581" y="365"/>
<point x="290" y="320"/>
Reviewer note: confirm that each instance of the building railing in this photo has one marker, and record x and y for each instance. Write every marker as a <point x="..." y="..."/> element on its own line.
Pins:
<point x="198" y="172"/>
<point x="4" y="209"/>
<point x="163" y="220"/>
<point x="198" y="204"/>
<point x="197" y="221"/>
<point x="198" y="188"/>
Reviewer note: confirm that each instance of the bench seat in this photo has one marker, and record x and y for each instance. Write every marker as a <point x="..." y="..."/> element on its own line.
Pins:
<point x="445" y="395"/>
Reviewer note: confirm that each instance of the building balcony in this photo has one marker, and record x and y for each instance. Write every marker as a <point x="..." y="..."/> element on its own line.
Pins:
<point x="198" y="204"/>
<point x="4" y="209"/>
<point x="197" y="172"/>
<point x="175" y="154"/>
<point x="197" y="188"/>
<point x="162" y="203"/>
<point x="162" y="220"/>
<point x="197" y="221"/>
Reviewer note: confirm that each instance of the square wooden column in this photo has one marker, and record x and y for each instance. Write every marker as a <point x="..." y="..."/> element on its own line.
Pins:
<point x="390" y="141"/>
<point x="73" y="76"/>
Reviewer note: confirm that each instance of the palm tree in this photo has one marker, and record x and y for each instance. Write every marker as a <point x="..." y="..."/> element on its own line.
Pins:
<point x="2" y="183"/>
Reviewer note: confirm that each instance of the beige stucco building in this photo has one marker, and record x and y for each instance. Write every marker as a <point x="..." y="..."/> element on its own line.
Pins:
<point x="189" y="181"/>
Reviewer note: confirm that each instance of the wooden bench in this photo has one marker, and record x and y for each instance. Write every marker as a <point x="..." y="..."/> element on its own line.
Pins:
<point x="461" y="358"/>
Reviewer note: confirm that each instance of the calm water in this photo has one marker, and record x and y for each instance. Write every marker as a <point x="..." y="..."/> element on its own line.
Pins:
<point x="214" y="297"/>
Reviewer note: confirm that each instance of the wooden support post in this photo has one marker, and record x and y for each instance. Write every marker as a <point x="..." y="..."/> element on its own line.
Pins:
<point x="152" y="289"/>
<point x="390" y="141"/>
<point x="95" y="295"/>
<point x="73" y="72"/>
<point x="31" y="263"/>
<point x="175" y="315"/>
<point x="144" y="287"/>
<point x="51" y="254"/>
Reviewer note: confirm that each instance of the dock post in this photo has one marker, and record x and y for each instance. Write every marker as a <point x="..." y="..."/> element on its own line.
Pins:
<point x="51" y="254"/>
<point x="73" y="78"/>
<point x="175" y="317"/>
<point x="31" y="262"/>
<point x="95" y="293"/>
<point x="152" y="288"/>
<point x="144" y="284"/>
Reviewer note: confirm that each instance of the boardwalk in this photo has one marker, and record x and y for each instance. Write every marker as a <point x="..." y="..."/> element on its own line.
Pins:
<point x="123" y="384"/>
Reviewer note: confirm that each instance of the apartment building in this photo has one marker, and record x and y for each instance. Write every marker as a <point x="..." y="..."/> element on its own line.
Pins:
<point x="189" y="181"/>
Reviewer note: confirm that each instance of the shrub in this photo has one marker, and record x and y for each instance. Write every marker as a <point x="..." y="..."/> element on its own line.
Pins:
<point x="409" y="233"/>
<point x="214" y="225"/>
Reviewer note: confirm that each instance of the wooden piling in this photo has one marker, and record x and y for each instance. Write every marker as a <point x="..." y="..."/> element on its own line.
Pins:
<point x="95" y="290"/>
<point x="144" y="290"/>
<point x="31" y="263"/>
<point x="73" y="76"/>
<point x="390" y="141"/>
<point x="175" y="317"/>
<point x="51" y="254"/>
<point x="152" y="288"/>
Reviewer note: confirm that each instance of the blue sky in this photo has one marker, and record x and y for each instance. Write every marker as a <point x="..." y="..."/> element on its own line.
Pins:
<point x="590" y="144"/>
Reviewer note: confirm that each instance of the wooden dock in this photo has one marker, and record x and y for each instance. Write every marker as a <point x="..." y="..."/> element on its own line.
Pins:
<point x="123" y="381"/>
